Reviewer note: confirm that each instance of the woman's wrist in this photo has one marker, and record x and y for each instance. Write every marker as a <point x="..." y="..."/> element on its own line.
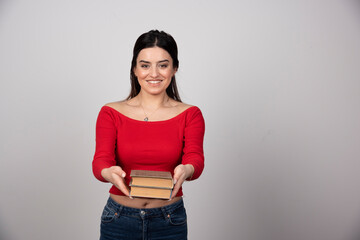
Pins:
<point x="189" y="171"/>
<point x="104" y="173"/>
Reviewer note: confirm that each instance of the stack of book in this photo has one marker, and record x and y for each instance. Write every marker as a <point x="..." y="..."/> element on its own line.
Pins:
<point x="151" y="184"/>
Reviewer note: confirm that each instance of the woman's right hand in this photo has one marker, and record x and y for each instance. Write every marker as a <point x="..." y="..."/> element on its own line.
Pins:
<point x="116" y="176"/>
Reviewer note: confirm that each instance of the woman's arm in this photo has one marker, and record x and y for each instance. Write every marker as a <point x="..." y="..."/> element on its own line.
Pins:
<point x="193" y="154"/>
<point x="104" y="162"/>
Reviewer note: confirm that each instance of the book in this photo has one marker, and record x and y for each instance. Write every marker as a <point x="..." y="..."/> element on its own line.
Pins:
<point x="147" y="192"/>
<point x="151" y="184"/>
<point x="150" y="174"/>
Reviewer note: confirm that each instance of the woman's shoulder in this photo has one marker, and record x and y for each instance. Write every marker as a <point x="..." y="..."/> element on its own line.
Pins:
<point x="115" y="108"/>
<point x="129" y="109"/>
<point x="124" y="107"/>
<point x="180" y="106"/>
<point x="190" y="110"/>
<point x="118" y="105"/>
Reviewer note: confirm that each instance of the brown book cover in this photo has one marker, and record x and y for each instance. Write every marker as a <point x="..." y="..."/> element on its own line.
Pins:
<point x="150" y="192"/>
<point x="152" y="182"/>
<point x="150" y="174"/>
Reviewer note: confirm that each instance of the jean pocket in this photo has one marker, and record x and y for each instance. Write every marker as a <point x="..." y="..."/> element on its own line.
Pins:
<point x="108" y="214"/>
<point x="178" y="217"/>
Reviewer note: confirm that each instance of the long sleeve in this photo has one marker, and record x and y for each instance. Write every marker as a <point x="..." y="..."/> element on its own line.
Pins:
<point x="193" y="152"/>
<point x="105" y="143"/>
<point x="157" y="146"/>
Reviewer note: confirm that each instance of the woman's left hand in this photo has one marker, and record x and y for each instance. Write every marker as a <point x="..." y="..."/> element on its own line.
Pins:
<point x="181" y="173"/>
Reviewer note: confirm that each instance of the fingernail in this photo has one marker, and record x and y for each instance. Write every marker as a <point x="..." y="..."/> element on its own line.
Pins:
<point x="123" y="175"/>
<point x="131" y="197"/>
<point x="175" y="181"/>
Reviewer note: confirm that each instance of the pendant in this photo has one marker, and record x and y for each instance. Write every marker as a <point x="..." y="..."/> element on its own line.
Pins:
<point x="146" y="119"/>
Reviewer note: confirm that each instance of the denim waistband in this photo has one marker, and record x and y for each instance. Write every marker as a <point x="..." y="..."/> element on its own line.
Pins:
<point x="145" y="212"/>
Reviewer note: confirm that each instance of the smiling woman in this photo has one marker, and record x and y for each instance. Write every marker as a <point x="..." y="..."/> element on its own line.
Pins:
<point x="155" y="39"/>
<point x="154" y="70"/>
<point x="150" y="130"/>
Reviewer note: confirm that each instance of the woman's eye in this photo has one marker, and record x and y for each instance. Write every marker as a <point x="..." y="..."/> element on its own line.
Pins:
<point x="163" y="66"/>
<point x="144" y="66"/>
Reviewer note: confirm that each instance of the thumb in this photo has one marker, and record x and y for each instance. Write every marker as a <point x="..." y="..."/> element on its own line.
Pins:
<point x="177" y="174"/>
<point x="120" y="172"/>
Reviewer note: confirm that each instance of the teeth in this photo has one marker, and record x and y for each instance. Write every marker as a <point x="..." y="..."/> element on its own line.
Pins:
<point x="154" y="81"/>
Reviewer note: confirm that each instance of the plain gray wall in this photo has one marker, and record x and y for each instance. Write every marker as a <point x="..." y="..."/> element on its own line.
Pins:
<point x="278" y="83"/>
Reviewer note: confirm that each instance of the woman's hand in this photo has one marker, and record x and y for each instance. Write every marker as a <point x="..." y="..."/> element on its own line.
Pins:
<point x="116" y="176"/>
<point x="181" y="173"/>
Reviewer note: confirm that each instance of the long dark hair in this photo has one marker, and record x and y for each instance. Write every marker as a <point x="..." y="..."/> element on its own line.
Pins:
<point x="161" y="39"/>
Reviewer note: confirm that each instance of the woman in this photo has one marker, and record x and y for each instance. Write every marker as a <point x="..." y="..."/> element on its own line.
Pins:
<point x="150" y="130"/>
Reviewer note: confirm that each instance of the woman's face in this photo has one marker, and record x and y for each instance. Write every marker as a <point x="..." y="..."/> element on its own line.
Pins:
<point x="154" y="70"/>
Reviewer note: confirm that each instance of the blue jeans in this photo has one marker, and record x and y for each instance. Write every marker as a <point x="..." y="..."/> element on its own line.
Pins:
<point x="120" y="222"/>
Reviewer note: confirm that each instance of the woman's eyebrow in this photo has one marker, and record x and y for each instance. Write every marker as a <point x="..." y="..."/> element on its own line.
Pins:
<point x="165" y="60"/>
<point x="143" y="61"/>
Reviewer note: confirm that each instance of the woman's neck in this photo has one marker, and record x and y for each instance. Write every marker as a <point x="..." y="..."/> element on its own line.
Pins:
<point x="149" y="101"/>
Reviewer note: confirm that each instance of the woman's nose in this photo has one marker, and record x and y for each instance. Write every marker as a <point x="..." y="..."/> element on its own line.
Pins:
<point x="154" y="72"/>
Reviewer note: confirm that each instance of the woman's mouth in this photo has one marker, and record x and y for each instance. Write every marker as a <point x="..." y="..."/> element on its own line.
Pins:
<point x="154" y="81"/>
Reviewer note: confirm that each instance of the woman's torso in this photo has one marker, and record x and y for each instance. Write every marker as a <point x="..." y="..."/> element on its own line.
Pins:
<point x="134" y="118"/>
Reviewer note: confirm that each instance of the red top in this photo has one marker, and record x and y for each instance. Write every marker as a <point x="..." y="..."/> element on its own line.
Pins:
<point x="139" y="145"/>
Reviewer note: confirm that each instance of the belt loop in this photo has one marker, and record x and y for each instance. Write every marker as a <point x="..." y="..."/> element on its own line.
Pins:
<point x="120" y="209"/>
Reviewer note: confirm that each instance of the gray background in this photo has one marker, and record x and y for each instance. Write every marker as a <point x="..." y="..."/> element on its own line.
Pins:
<point x="278" y="83"/>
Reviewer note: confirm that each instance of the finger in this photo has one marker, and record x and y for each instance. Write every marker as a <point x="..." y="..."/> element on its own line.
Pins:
<point x="118" y="170"/>
<point x="178" y="172"/>
<point x="123" y="188"/>
<point x="120" y="184"/>
<point x="177" y="187"/>
<point x="174" y="192"/>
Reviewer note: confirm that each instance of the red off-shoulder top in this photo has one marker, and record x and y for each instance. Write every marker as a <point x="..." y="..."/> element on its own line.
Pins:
<point x="153" y="145"/>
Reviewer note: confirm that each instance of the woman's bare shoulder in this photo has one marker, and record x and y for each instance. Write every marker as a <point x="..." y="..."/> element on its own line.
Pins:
<point x="180" y="106"/>
<point x="118" y="106"/>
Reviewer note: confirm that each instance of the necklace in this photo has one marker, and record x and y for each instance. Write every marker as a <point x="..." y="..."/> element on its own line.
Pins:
<point x="146" y="119"/>
<point x="148" y="115"/>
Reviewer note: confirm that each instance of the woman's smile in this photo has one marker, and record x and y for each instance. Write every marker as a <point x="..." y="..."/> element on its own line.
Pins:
<point x="154" y="70"/>
<point x="154" y="82"/>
